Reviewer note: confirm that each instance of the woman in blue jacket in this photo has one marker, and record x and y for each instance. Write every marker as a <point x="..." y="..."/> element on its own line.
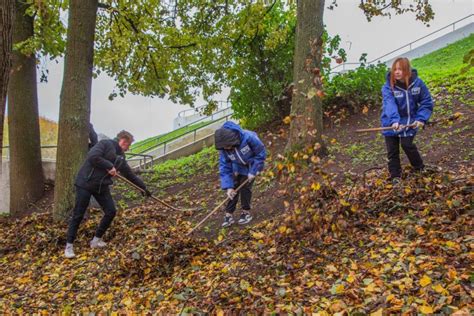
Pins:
<point x="241" y="156"/>
<point x="406" y="102"/>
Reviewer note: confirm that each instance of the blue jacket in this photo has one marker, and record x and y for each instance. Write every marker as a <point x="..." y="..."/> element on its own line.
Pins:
<point x="405" y="106"/>
<point x="246" y="158"/>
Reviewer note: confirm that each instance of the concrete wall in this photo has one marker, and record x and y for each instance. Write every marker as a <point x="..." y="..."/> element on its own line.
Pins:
<point x="49" y="169"/>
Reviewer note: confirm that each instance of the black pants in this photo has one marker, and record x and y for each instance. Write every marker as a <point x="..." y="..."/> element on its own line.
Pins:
<point x="245" y="195"/>
<point x="83" y="196"/>
<point x="393" y="154"/>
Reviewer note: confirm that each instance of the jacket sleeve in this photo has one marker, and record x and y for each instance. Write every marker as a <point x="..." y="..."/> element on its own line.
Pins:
<point x="127" y="172"/>
<point x="225" y="171"/>
<point x="389" y="105"/>
<point x="96" y="155"/>
<point x="425" y="106"/>
<point x="258" y="160"/>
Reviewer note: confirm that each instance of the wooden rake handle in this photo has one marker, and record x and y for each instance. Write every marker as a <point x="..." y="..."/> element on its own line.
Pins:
<point x="216" y="209"/>
<point x="143" y="191"/>
<point x="378" y="129"/>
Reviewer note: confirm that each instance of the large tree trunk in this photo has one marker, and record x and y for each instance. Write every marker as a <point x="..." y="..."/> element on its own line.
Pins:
<point x="26" y="171"/>
<point x="306" y="109"/>
<point x="6" y="26"/>
<point x="74" y="110"/>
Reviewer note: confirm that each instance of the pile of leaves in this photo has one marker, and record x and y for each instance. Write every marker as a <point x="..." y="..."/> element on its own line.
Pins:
<point x="368" y="247"/>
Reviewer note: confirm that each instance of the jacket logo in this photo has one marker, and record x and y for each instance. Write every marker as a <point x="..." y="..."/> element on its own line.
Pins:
<point x="245" y="149"/>
<point x="398" y="94"/>
<point x="415" y="90"/>
<point x="231" y="156"/>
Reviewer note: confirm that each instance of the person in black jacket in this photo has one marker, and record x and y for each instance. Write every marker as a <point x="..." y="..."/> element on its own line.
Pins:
<point x="102" y="163"/>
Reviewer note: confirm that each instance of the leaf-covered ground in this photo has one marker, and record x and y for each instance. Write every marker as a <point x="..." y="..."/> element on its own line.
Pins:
<point x="330" y="235"/>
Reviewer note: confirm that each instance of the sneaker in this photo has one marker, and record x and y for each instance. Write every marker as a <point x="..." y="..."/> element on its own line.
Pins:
<point x="245" y="217"/>
<point x="69" y="251"/>
<point x="228" y="220"/>
<point x="396" y="181"/>
<point x="97" y="243"/>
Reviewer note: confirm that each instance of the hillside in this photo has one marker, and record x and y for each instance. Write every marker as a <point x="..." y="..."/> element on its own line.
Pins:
<point x="330" y="235"/>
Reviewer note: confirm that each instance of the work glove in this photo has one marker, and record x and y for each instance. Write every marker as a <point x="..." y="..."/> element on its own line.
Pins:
<point x="250" y="177"/>
<point x="418" y="124"/>
<point x="396" y="127"/>
<point x="146" y="193"/>
<point x="231" y="193"/>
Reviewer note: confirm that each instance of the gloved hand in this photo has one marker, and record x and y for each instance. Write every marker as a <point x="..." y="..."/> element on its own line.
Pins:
<point x="231" y="193"/>
<point x="396" y="127"/>
<point x="250" y="177"/>
<point x="146" y="193"/>
<point x="418" y="124"/>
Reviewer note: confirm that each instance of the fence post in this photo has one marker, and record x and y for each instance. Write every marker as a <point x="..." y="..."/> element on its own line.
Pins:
<point x="164" y="148"/>
<point x="194" y="135"/>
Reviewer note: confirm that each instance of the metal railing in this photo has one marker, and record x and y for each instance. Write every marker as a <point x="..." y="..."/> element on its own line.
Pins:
<point x="210" y="118"/>
<point x="142" y="161"/>
<point x="409" y="46"/>
<point x="165" y="144"/>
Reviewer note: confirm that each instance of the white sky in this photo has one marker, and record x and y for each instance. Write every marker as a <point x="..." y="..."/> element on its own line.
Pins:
<point x="145" y="117"/>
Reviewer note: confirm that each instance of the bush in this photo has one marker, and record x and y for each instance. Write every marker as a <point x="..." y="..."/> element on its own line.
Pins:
<point x="355" y="89"/>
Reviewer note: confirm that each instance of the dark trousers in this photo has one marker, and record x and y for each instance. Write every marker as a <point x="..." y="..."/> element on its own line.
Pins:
<point x="83" y="196"/>
<point x="245" y="195"/>
<point x="393" y="154"/>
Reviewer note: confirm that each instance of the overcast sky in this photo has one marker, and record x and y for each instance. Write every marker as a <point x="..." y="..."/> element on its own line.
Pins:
<point x="145" y="117"/>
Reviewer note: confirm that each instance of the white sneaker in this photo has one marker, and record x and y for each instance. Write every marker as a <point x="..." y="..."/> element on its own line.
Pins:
<point x="97" y="243"/>
<point x="245" y="218"/>
<point x="69" y="251"/>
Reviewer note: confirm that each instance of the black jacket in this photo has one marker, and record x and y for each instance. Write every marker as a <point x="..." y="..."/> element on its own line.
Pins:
<point x="93" y="139"/>
<point x="93" y="175"/>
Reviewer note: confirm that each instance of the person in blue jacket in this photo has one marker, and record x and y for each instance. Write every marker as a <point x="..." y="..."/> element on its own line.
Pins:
<point x="241" y="156"/>
<point x="407" y="106"/>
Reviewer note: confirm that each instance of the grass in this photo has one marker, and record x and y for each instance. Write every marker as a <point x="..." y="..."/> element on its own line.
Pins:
<point x="146" y="144"/>
<point x="441" y="69"/>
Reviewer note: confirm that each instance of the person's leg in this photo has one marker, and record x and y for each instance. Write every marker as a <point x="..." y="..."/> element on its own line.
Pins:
<point x="108" y="206"/>
<point x="412" y="153"/>
<point x="393" y="155"/>
<point x="232" y="204"/>
<point x="82" y="201"/>
<point x="245" y="200"/>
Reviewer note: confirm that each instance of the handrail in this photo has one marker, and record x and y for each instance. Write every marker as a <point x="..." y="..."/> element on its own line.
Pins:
<point x="404" y="46"/>
<point x="187" y="125"/>
<point x="180" y="136"/>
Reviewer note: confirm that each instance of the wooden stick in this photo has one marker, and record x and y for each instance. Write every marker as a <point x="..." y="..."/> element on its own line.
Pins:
<point x="217" y="208"/>
<point x="378" y="129"/>
<point x="143" y="191"/>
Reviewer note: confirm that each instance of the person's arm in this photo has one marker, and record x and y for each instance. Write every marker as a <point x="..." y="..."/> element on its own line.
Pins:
<point x="225" y="171"/>
<point x="425" y="106"/>
<point x="96" y="156"/>
<point x="93" y="139"/>
<point x="260" y="154"/>
<point x="389" y="105"/>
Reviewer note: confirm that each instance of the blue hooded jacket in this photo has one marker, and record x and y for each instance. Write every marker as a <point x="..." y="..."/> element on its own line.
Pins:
<point x="248" y="157"/>
<point x="405" y="106"/>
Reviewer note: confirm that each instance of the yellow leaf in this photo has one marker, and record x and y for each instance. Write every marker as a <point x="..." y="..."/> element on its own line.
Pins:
<point x="333" y="141"/>
<point x="45" y="278"/>
<point x="344" y="202"/>
<point x="450" y="244"/>
<point x="316" y="186"/>
<point x="219" y="312"/>
<point x="379" y="312"/>
<point x="370" y="287"/>
<point x="340" y="289"/>
<point x="126" y="301"/>
<point x="331" y="268"/>
<point x="439" y="288"/>
<point x="420" y="230"/>
<point x="315" y="159"/>
<point x="425" y="309"/>
<point x="350" y="278"/>
<point x="257" y="235"/>
<point x="390" y="297"/>
<point x="287" y="120"/>
<point x="452" y="274"/>
<point x="282" y="229"/>
<point x="365" y="110"/>
<point x="425" y="280"/>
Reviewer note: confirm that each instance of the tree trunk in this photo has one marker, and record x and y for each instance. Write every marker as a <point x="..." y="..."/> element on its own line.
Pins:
<point x="75" y="100"/>
<point x="306" y="109"/>
<point x="6" y="25"/>
<point x="26" y="171"/>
